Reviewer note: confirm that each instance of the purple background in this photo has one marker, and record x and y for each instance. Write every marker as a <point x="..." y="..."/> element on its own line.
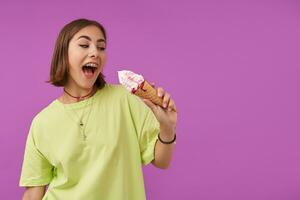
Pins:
<point x="232" y="68"/>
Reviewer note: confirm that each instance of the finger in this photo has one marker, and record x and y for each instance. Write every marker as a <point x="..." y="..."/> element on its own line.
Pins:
<point x="152" y="84"/>
<point x="166" y="100"/>
<point x="160" y="92"/>
<point x="172" y="105"/>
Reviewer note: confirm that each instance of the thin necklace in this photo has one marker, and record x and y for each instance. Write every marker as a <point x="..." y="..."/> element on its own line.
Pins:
<point x="82" y="126"/>
<point x="79" y="97"/>
<point x="87" y="119"/>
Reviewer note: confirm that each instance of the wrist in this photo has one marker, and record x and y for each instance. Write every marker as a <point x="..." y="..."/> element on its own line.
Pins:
<point x="167" y="130"/>
<point x="166" y="137"/>
<point x="169" y="141"/>
<point x="167" y="133"/>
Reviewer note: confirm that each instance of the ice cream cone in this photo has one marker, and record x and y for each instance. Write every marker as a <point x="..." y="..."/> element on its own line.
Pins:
<point x="146" y="91"/>
<point x="137" y="85"/>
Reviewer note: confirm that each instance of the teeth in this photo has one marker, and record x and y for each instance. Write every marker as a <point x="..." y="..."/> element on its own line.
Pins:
<point x="91" y="65"/>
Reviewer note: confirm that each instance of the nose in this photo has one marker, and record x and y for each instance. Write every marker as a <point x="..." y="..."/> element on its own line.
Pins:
<point x="93" y="52"/>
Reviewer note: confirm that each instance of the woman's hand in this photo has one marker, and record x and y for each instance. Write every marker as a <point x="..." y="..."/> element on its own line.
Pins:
<point x="167" y="116"/>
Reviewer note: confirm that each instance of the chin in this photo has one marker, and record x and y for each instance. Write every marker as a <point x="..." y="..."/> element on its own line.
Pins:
<point x="88" y="86"/>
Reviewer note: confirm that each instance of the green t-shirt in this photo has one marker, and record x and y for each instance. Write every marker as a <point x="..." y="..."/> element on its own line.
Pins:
<point x="105" y="162"/>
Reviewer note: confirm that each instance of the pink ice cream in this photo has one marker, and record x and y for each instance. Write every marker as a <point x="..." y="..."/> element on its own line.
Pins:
<point x="130" y="80"/>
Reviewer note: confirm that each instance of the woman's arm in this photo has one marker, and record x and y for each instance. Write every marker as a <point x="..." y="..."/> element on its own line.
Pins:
<point x="34" y="193"/>
<point x="163" y="152"/>
<point x="167" y="117"/>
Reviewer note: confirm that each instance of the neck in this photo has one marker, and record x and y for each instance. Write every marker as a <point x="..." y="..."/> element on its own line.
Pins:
<point x="73" y="95"/>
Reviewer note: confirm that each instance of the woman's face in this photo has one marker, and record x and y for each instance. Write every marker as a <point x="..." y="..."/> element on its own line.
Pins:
<point x="86" y="47"/>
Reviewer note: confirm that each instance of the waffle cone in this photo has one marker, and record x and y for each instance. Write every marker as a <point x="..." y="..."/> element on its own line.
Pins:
<point x="146" y="91"/>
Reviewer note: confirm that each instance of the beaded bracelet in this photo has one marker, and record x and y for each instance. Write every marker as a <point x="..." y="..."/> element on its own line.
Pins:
<point x="167" y="142"/>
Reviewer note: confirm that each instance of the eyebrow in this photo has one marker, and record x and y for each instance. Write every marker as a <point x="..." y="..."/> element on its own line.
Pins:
<point x="88" y="38"/>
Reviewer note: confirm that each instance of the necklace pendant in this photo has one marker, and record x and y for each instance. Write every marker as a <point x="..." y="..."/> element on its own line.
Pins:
<point x="81" y="124"/>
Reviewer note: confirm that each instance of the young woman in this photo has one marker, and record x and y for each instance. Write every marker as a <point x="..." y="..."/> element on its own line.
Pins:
<point x="91" y="142"/>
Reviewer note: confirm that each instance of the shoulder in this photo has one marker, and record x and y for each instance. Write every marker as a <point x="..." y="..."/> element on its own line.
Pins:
<point x="46" y="114"/>
<point x="115" y="91"/>
<point x="118" y="91"/>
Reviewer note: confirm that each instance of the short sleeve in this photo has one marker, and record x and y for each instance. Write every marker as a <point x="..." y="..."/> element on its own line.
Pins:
<point x="146" y="125"/>
<point x="36" y="170"/>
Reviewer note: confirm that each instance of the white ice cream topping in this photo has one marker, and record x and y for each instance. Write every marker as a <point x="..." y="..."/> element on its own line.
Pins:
<point x="130" y="80"/>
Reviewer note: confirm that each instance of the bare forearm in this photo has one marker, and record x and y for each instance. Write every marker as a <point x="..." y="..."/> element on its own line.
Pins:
<point x="34" y="193"/>
<point x="164" y="152"/>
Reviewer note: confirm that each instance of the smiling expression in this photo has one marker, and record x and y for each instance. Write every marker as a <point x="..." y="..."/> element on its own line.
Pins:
<point x="86" y="56"/>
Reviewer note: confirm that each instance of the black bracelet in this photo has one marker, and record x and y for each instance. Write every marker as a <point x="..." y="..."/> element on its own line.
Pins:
<point x="167" y="142"/>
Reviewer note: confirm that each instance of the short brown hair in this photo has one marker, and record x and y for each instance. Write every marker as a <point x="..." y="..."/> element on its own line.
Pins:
<point x="60" y="63"/>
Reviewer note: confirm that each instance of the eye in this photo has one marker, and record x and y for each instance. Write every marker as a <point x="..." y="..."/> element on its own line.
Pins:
<point x="101" y="48"/>
<point x="84" y="46"/>
<point x="87" y="46"/>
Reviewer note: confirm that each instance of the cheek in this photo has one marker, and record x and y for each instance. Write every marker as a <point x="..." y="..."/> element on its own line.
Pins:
<point x="74" y="59"/>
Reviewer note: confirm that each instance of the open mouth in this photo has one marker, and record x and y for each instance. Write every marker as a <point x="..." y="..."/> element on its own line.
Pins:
<point x="89" y="69"/>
